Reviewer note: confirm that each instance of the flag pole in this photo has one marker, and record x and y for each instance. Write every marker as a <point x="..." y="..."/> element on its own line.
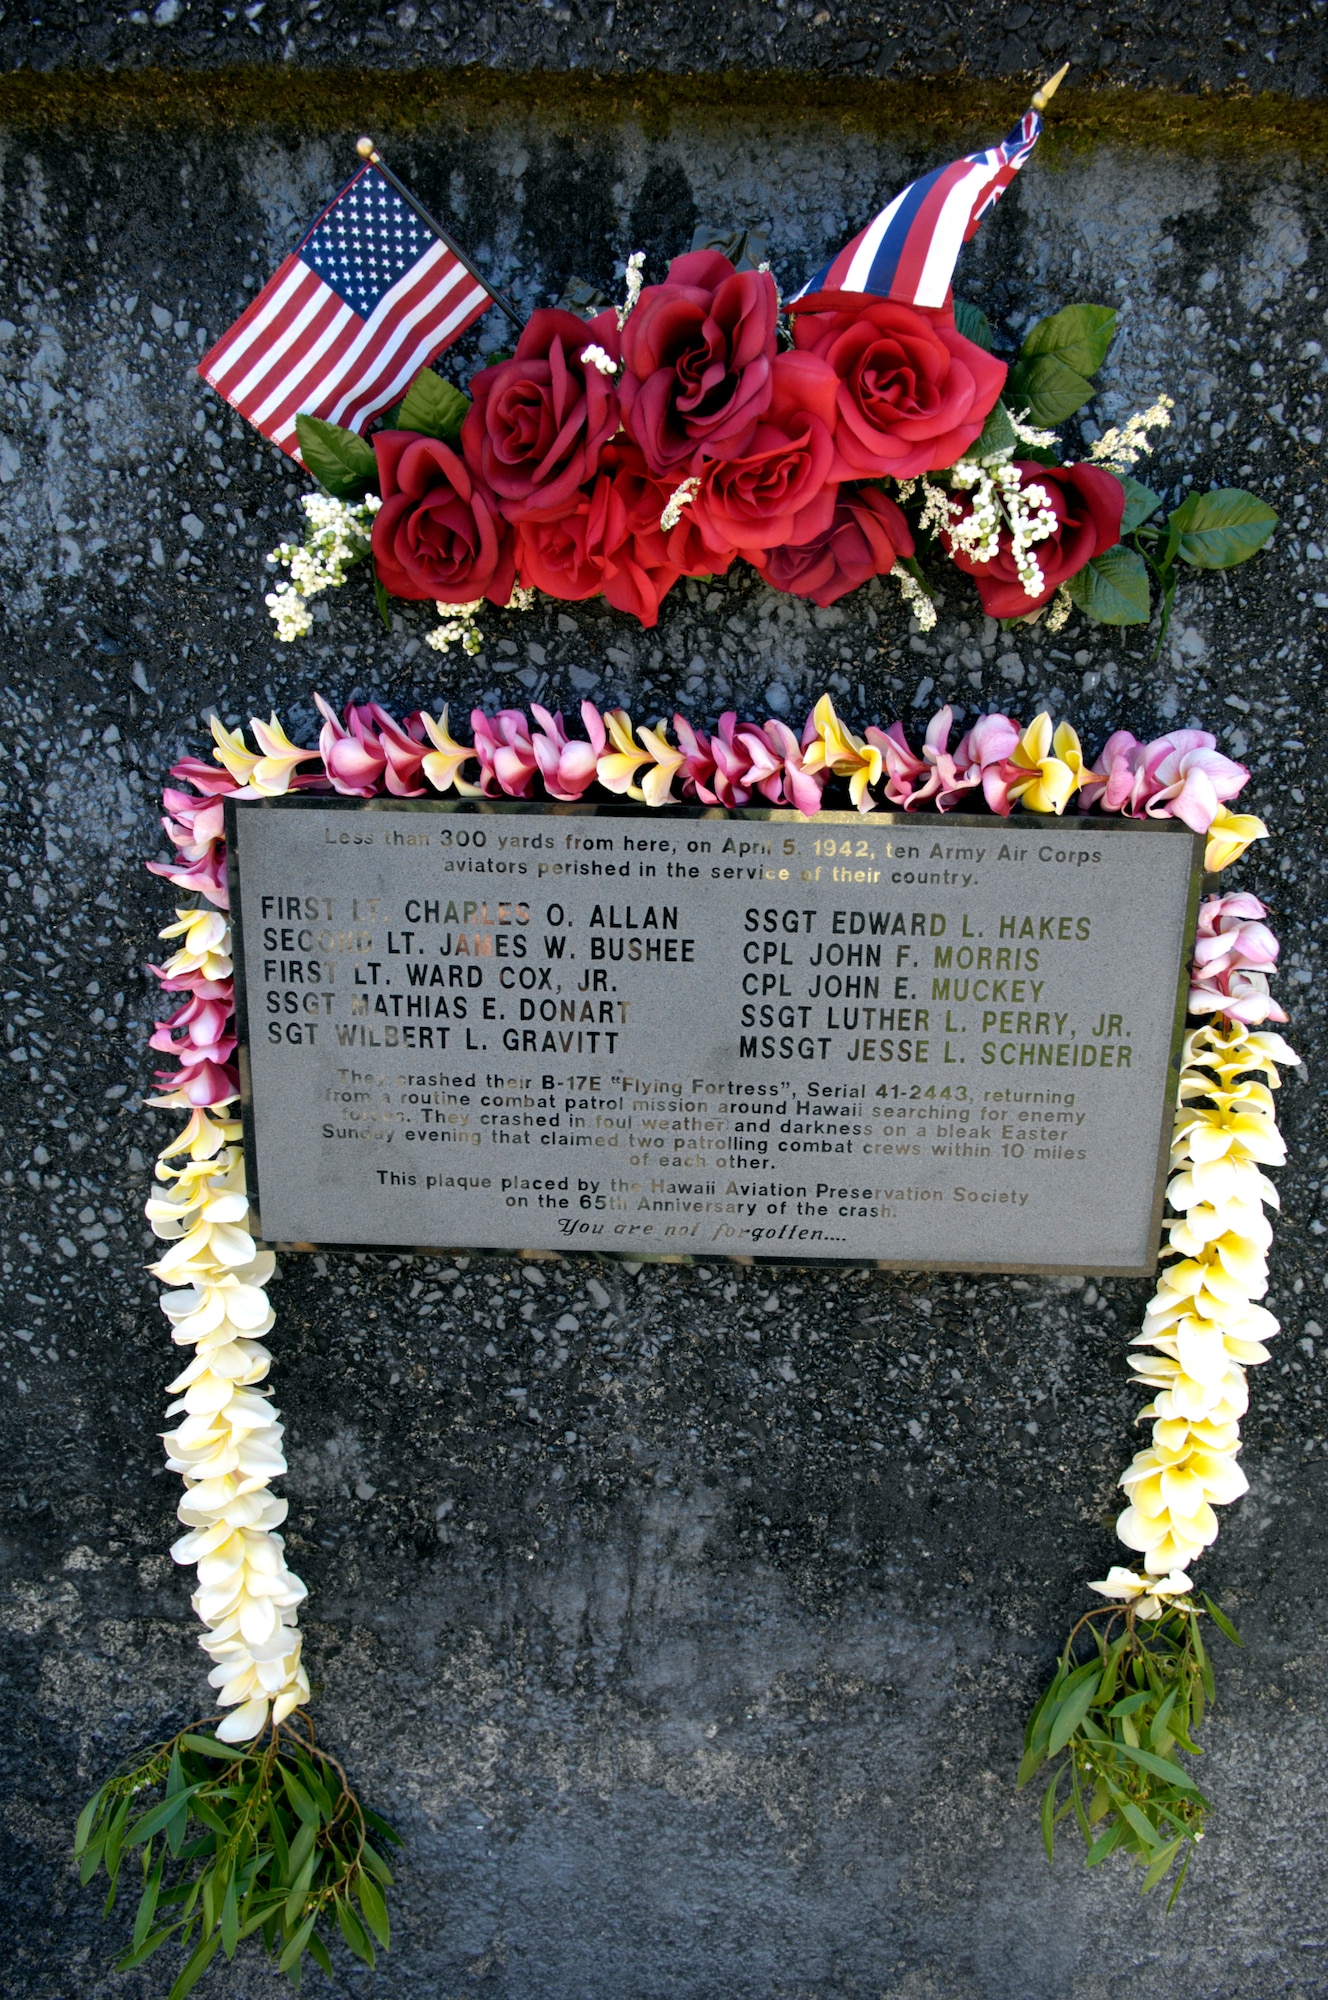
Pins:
<point x="1043" y="95"/>
<point x="369" y="152"/>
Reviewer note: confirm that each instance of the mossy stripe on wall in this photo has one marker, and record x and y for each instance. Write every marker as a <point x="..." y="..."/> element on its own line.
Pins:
<point x="960" y="111"/>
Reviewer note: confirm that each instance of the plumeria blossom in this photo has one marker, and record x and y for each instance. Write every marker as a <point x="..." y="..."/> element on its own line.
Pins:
<point x="1229" y="834"/>
<point x="778" y="769"/>
<point x="1233" y="955"/>
<point x="835" y="749"/>
<point x="618" y="767"/>
<point x="442" y="765"/>
<point x="657" y="783"/>
<point x="200" y="1031"/>
<point x="204" y="877"/>
<point x="508" y="766"/>
<point x="1190" y="779"/>
<point x="1149" y="1595"/>
<point x="567" y="767"/>
<point x="906" y="775"/>
<point x="698" y="763"/>
<point x="206" y="945"/>
<point x="266" y="773"/>
<point x="403" y="748"/>
<point x="353" y="757"/>
<point x="1182" y="776"/>
<point x="1045" y="767"/>
<point x="733" y="776"/>
<point x="979" y="759"/>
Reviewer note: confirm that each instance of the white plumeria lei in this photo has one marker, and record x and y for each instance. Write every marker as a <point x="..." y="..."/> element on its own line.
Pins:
<point x="228" y="1447"/>
<point x="1203" y="1328"/>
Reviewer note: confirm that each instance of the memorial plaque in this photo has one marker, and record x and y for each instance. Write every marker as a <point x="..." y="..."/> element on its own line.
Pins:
<point x="915" y="1041"/>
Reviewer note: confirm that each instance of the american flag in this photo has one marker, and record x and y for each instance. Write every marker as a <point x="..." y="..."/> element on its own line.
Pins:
<point x="909" y="252"/>
<point x="359" y="307"/>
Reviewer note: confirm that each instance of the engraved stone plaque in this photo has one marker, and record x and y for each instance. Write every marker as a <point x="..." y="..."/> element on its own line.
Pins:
<point x="919" y="1041"/>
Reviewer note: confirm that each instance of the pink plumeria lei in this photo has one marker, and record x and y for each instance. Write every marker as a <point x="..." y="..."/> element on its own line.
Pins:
<point x="998" y="765"/>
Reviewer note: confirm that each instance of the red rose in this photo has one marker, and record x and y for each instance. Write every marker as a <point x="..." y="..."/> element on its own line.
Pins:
<point x="697" y="354"/>
<point x="610" y="541"/>
<point x="913" y="393"/>
<point x="776" y="490"/>
<point x="1088" y="504"/>
<point x="559" y="557"/>
<point x="537" y="422"/>
<point x="625" y="507"/>
<point x="437" y="534"/>
<point x="866" y="537"/>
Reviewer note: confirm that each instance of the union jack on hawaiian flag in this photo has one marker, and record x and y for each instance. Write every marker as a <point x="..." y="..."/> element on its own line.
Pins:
<point x="370" y="295"/>
<point x="909" y="252"/>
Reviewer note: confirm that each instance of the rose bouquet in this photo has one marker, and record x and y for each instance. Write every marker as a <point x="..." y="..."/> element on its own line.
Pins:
<point x="701" y="425"/>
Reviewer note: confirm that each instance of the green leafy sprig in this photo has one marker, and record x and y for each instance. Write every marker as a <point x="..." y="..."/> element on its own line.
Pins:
<point x="1050" y="381"/>
<point x="1112" y="1726"/>
<point x="231" y="1841"/>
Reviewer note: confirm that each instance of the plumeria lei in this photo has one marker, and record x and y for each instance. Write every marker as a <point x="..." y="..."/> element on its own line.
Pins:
<point x="1203" y="1327"/>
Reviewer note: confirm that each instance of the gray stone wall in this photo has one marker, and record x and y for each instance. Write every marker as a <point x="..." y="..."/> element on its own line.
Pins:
<point x="683" y="1619"/>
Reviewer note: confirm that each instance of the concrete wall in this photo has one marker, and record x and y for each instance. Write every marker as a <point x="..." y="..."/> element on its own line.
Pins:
<point x="696" y="1672"/>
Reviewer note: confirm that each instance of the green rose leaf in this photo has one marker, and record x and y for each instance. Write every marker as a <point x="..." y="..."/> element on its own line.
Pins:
<point x="1078" y="337"/>
<point x="973" y="323"/>
<point x="1218" y="530"/>
<point x="343" y="464"/>
<point x="997" y="434"/>
<point x="1047" y="388"/>
<point x="1113" y="588"/>
<point x="433" y="406"/>
<point x="1140" y="504"/>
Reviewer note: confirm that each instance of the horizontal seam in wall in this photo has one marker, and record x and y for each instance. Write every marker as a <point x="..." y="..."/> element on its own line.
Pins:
<point x="276" y="98"/>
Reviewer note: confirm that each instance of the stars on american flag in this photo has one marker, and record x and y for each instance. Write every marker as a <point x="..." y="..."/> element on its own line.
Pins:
<point x="366" y="243"/>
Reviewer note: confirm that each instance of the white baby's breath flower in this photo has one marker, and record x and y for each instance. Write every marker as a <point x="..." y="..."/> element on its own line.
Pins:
<point x="338" y="538"/>
<point x="1120" y="448"/>
<point x="998" y="501"/>
<point x="633" y="281"/>
<point x="522" y="598"/>
<point x="289" y="611"/>
<point x="458" y="628"/>
<point x="1028" y="434"/>
<point x="1058" y="611"/>
<point x="595" y="357"/>
<point x="681" y="496"/>
<point x="915" y="597"/>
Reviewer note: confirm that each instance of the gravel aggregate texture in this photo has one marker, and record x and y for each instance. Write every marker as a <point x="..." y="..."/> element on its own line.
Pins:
<point x="1205" y="46"/>
<point x="684" y="1619"/>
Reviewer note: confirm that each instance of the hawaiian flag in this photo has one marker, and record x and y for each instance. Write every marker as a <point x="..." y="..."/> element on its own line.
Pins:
<point x="365" y="301"/>
<point x="909" y="252"/>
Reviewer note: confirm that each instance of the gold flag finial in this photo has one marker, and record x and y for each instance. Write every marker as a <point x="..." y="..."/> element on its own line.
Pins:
<point x="368" y="151"/>
<point x="1043" y="95"/>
